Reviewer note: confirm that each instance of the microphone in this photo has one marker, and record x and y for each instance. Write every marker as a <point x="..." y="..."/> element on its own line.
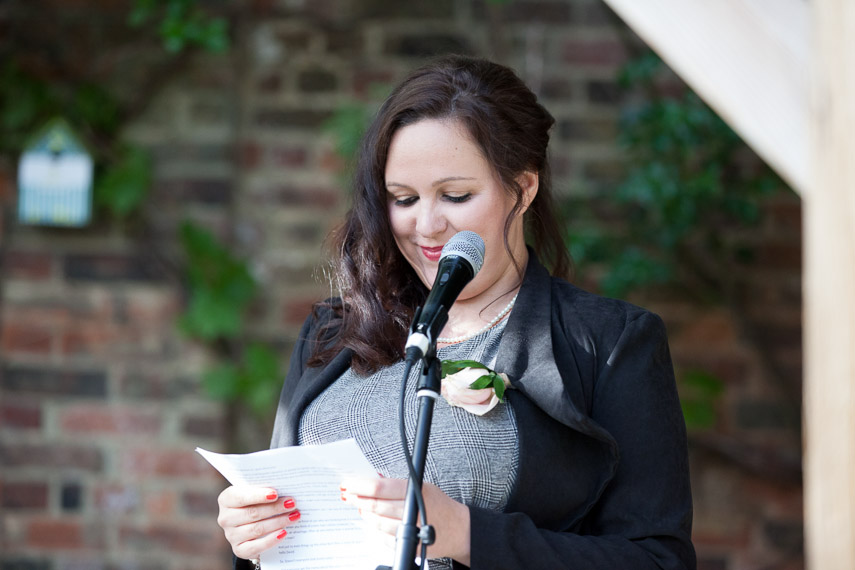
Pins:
<point x="459" y="262"/>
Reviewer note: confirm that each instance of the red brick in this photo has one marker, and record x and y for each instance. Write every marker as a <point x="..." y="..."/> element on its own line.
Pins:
<point x="332" y="162"/>
<point x="90" y="339"/>
<point x="173" y="538"/>
<point x="21" y="338"/>
<point x="160" y="504"/>
<point x="270" y="83"/>
<point x="780" y="256"/>
<point x="112" y="267"/>
<point x="735" y="539"/>
<point x="199" y="503"/>
<point x="149" y="309"/>
<point x="20" y="416"/>
<point x="367" y="81"/>
<point x="50" y="456"/>
<point x="116" y="499"/>
<point x="325" y="198"/>
<point x="785" y="215"/>
<point x="53" y="381"/>
<point x="6" y="187"/>
<point x="54" y="534"/>
<point x="290" y="157"/>
<point x="93" y="418"/>
<point x="24" y="495"/>
<point x="594" y="52"/>
<point x="204" y="426"/>
<point x="33" y="266"/>
<point x="141" y="463"/>
<point x="296" y="310"/>
<point x="706" y="330"/>
<point x="249" y="155"/>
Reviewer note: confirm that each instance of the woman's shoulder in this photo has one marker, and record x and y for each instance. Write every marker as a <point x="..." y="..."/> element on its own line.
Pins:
<point x="582" y="310"/>
<point x="322" y="317"/>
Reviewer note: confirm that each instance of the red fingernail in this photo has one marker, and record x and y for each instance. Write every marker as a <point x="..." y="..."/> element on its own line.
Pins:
<point x="342" y="488"/>
<point x="271" y="496"/>
<point x="289" y="504"/>
<point x="343" y="498"/>
<point x="281" y="535"/>
<point x="294" y="516"/>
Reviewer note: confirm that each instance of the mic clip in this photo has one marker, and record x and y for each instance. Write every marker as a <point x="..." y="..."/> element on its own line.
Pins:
<point x="421" y="342"/>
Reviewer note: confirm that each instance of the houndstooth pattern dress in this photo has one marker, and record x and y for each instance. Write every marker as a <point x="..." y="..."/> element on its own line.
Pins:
<point x="472" y="459"/>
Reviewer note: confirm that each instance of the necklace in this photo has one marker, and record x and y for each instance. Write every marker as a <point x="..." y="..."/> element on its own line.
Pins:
<point x="485" y="328"/>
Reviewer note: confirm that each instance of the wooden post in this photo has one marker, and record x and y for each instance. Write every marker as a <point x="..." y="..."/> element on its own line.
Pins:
<point x="829" y="296"/>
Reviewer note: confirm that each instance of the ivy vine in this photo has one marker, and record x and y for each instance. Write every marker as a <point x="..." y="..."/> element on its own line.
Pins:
<point x="689" y="185"/>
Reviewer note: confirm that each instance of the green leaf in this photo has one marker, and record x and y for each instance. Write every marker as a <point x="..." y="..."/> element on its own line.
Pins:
<point x="499" y="387"/>
<point x="262" y="379"/>
<point x="220" y="286"/>
<point x="482" y="382"/>
<point x="222" y="382"/>
<point x="124" y="185"/>
<point x="453" y="366"/>
<point x="699" y="392"/>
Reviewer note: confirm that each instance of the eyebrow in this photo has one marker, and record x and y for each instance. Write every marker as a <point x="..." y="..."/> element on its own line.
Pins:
<point x="435" y="183"/>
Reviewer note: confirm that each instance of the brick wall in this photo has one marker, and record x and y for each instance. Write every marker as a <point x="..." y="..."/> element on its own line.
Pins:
<point x="101" y="405"/>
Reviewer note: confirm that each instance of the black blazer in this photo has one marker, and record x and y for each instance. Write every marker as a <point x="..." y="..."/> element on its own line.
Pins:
<point x="603" y="479"/>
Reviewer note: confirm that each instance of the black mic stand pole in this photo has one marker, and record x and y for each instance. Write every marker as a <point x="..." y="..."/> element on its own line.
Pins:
<point x="409" y="534"/>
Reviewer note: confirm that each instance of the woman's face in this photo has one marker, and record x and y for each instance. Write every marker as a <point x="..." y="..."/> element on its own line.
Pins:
<point x="438" y="184"/>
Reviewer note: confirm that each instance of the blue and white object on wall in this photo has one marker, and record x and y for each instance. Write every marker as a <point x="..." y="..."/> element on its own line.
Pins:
<point x="55" y="179"/>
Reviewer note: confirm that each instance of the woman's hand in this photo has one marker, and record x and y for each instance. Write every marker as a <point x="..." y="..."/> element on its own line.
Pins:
<point x="381" y="504"/>
<point x="254" y="518"/>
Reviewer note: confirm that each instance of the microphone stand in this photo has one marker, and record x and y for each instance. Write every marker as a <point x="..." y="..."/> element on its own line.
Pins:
<point x="409" y="535"/>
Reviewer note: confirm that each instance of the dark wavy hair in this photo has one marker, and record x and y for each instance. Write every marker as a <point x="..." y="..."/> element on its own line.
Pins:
<point x="379" y="289"/>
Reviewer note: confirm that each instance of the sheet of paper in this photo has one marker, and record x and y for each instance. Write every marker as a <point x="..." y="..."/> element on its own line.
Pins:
<point x="329" y="534"/>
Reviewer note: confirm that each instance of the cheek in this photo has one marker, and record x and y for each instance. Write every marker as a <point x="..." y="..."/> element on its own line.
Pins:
<point x="397" y="221"/>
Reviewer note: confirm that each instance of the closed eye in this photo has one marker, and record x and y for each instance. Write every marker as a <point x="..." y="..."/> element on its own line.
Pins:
<point x="406" y="200"/>
<point x="458" y="199"/>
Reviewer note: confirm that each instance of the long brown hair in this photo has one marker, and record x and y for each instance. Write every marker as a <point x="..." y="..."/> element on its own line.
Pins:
<point x="379" y="290"/>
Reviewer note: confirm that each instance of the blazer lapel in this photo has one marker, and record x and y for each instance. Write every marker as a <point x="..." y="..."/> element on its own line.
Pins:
<point x="311" y="384"/>
<point x="526" y="355"/>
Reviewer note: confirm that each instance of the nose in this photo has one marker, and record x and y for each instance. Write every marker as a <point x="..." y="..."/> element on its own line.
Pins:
<point x="430" y="221"/>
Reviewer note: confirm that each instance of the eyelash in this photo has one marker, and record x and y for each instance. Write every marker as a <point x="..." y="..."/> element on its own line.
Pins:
<point x="410" y="200"/>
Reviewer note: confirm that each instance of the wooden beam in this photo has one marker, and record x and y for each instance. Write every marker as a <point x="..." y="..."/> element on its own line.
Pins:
<point x="829" y="281"/>
<point x="748" y="59"/>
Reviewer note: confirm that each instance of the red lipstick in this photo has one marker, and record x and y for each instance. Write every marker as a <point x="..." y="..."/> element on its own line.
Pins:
<point x="432" y="253"/>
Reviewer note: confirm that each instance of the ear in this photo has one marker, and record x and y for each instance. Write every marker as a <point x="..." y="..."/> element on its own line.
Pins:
<point x="529" y="182"/>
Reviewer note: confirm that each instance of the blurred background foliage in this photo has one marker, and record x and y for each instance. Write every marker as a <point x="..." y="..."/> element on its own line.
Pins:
<point x="687" y="184"/>
<point x="674" y="220"/>
<point x="218" y="284"/>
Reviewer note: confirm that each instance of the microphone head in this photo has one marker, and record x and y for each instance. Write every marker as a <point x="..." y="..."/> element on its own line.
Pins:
<point x="466" y="245"/>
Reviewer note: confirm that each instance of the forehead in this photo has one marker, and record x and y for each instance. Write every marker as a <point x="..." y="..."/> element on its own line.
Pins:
<point x="433" y="143"/>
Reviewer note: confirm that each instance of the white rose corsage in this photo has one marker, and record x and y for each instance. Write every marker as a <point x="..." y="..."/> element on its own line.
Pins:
<point x="470" y="385"/>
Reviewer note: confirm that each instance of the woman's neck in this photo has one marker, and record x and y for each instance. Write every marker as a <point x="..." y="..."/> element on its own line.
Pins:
<point x="488" y="308"/>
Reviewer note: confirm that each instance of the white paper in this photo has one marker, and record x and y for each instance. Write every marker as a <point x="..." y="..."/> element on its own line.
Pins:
<point x="330" y="534"/>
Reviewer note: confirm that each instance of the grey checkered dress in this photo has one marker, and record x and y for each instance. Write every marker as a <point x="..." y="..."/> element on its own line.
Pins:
<point x="472" y="459"/>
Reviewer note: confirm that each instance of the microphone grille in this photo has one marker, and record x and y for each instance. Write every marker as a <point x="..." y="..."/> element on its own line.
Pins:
<point x="467" y="245"/>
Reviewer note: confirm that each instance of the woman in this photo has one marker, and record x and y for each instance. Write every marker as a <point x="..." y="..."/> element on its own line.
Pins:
<point x="584" y="463"/>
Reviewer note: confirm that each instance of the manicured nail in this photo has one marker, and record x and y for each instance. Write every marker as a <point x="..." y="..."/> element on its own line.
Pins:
<point x="289" y="504"/>
<point x="281" y="535"/>
<point x="343" y="498"/>
<point x="342" y="488"/>
<point x="295" y="516"/>
<point x="271" y="496"/>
